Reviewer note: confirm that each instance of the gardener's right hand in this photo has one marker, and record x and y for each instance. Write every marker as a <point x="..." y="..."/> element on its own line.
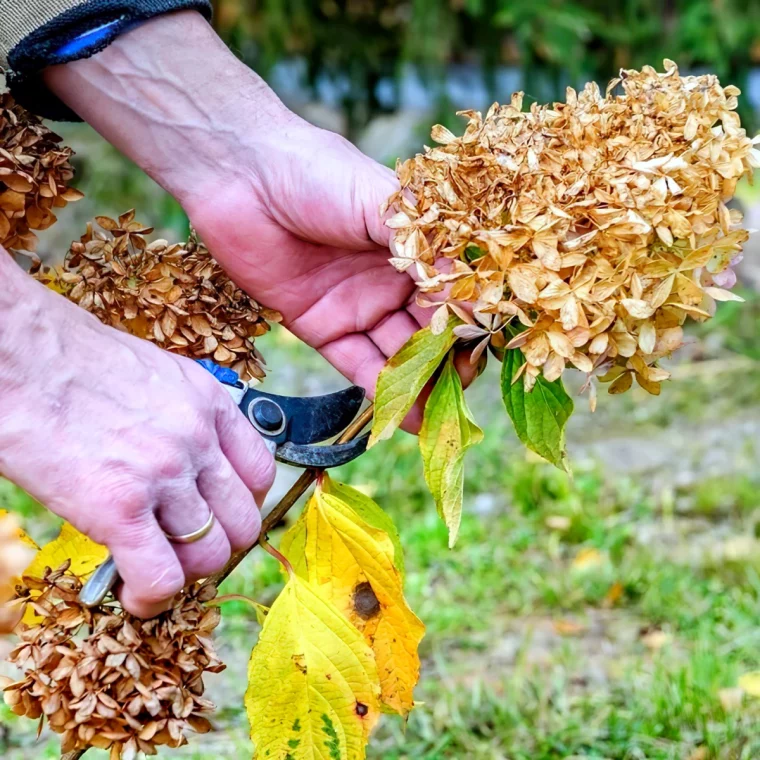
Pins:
<point x="125" y="441"/>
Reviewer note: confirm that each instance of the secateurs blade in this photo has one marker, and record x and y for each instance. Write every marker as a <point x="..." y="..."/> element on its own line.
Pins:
<point x="291" y="426"/>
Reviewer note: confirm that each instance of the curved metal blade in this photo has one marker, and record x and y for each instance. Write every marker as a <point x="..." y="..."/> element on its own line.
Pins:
<point x="315" y="418"/>
<point x="321" y="456"/>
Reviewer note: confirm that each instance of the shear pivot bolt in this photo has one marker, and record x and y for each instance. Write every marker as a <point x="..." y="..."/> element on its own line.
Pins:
<point x="267" y="416"/>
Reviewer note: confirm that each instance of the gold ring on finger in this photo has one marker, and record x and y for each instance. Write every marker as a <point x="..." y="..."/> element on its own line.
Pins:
<point x="197" y="535"/>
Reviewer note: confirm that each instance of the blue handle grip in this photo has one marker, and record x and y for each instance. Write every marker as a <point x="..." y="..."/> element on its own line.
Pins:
<point x="224" y="375"/>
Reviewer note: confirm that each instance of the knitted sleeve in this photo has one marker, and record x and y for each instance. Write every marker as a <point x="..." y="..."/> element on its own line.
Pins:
<point x="38" y="33"/>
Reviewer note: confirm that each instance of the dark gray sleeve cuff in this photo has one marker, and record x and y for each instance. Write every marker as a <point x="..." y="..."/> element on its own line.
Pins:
<point x="49" y="44"/>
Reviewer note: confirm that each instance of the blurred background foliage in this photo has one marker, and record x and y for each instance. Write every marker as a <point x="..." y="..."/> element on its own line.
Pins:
<point x="359" y="44"/>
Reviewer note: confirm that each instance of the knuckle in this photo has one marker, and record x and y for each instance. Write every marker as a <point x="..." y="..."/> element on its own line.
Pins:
<point x="171" y="464"/>
<point x="201" y="434"/>
<point x="131" y="497"/>
<point x="165" y="585"/>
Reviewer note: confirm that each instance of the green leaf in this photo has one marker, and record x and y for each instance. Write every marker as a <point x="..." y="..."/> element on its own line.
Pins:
<point x="405" y="375"/>
<point x="448" y="430"/>
<point x="369" y="511"/>
<point x="540" y="416"/>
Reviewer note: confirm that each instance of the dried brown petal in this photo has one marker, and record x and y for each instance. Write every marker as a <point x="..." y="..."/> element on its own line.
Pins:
<point x="113" y="681"/>
<point x="34" y="171"/>
<point x="175" y="296"/>
<point x="599" y="222"/>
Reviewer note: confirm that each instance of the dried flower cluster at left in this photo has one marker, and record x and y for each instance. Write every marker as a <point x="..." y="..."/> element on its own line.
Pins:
<point x="35" y="173"/>
<point x="174" y="295"/>
<point x="105" y="679"/>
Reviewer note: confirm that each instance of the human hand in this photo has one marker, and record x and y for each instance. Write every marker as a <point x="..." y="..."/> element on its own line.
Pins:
<point x="125" y="441"/>
<point x="289" y="210"/>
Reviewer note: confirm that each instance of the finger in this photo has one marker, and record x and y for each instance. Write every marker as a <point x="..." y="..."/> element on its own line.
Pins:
<point x="204" y="557"/>
<point x="467" y="371"/>
<point x="368" y="290"/>
<point x="391" y="334"/>
<point x="356" y="357"/>
<point x="147" y="564"/>
<point x="232" y="503"/>
<point x="245" y="451"/>
<point x="184" y="511"/>
<point x="361" y="361"/>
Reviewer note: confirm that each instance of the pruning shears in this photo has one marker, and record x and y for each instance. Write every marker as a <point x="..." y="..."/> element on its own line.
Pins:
<point x="291" y="427"/>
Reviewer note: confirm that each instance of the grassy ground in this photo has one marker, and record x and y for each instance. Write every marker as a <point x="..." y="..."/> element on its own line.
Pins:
<point x="607" y="615"/>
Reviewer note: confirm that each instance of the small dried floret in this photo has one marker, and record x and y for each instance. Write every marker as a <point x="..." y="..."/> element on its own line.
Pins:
<point x="176" y="295"/>
<point x="590" y="229"/>
<point x="103" y="678"/>
<point x="35" y="173"/>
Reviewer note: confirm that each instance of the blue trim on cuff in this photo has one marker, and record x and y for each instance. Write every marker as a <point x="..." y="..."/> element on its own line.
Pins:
<point x="79" y="32"/>
<point x="92" y="38"/>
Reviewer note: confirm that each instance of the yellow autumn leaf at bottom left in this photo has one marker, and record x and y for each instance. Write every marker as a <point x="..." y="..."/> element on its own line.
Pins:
<point x="70" y="546"/>
<point x="15" y="553"/>
<point x="313" y="689"/>
<point x="85" y="555"/>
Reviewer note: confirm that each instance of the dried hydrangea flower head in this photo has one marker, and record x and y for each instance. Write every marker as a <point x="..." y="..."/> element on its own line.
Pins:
<point x="176" y="296"/>
<point x="595" y="227"/>
<point x="105" y="679"/>
<point x="15" y="556"/>
<point x="34" y="176"/>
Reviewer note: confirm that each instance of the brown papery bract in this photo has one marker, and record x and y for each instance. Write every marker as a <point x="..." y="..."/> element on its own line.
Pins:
<point x="599" y="225"/>
<point x="174" y="295"/>
<point x="35" y="173"/>
<point x="105" y="679"/>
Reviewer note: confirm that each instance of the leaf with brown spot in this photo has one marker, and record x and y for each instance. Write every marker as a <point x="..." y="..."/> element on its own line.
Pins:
<point x="352" y="563"/>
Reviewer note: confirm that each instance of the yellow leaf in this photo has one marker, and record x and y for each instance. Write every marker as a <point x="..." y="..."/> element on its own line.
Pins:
<point x="312" y="681"/>
<point x="750" y="683"/>
<point x="370" y="512"/>
<point x="84" y="553"/>
<point x="352" y="563"/>
<point x="404" y="376"/>
<point x="448" y="430"/>
<point x="20" y="533"/>
<point x="293" y="546"/>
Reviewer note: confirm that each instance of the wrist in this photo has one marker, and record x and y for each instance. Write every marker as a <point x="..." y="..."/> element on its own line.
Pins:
<point x="182" y="112"/>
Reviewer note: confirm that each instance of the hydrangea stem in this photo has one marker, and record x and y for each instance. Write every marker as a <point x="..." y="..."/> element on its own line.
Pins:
<point x="297" y="490"/>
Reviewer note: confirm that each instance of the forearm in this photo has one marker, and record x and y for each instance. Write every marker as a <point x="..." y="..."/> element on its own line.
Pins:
<point x="25" y="344"/>
<point x="172" y="97"/>
<point x="18" y="303"/>
<point x="33" y="330"/>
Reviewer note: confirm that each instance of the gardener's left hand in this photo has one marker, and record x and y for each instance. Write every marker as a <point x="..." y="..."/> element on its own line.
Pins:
<point x="290" y="211"/>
